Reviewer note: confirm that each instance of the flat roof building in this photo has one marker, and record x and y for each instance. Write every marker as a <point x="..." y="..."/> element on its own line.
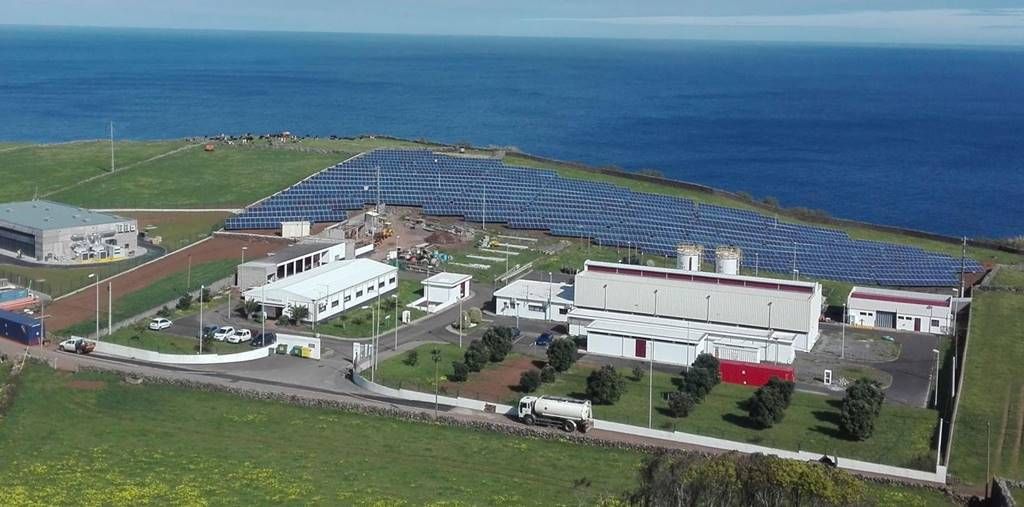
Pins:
<point x="443" y="290"/>
<point x="327" y="290"/>
<point x="292" y="260"/>
<point x="51" y="232"/>
<point x="900" y="309"/>
<point x="671" y="315"/>
<point x="530" y="299"/>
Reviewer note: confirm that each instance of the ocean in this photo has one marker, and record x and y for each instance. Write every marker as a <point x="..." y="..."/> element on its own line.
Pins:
<point x="922" y="137"/>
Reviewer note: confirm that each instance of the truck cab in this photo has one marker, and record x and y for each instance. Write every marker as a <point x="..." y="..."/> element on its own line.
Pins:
<point x="525" y="407"/>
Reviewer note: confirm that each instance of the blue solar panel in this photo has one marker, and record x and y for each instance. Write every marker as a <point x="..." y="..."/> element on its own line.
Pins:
<point x="526" y="198"/>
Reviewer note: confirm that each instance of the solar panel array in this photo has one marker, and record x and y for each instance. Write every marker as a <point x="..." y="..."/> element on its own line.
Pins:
<point x="480" y="190"/>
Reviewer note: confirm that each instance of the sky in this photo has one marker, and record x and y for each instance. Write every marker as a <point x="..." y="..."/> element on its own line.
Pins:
<point x="984" y="22"/>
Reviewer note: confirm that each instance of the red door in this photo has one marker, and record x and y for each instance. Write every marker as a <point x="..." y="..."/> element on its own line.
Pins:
<point x="917" y="324"/>
<point x="641" y="348"/>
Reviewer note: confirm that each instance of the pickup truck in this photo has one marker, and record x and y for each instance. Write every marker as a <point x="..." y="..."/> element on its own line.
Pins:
<point x="77" y="345"/>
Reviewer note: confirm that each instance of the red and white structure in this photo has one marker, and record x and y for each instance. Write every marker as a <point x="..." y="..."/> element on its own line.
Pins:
<point x="899" y="309"/>
<point x="671" y="315"/>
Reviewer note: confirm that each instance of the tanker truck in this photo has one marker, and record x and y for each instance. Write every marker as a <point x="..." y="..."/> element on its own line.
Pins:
<point x="566" y="413"/>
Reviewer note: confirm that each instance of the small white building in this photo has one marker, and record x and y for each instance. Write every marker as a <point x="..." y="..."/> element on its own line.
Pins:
<point x="327" y="290"/>
<point x="443" y="290"/>
<point x="900" y="309"/>
<point x="529" y="299"/>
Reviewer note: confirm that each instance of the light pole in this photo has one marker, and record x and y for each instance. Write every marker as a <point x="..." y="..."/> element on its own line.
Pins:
<point x="770" y="333"/>
<point x="650" y="387"/>
<point x="548" y="309"/>
<point x="606" y="297"/>
<point x="842" y="351"/>
<point x="42" y="318"/>
<point x="395" y="296"/>
<point x="97" y="283"/>
<point x="935" y="400"/>
<point x="188" y="271"/>
<point x="110" y="308"/>
<point x="202" y="289"/>
<point x="435" y="355"/>
<point x="244" y="248"/>
<point x="655" y="303"/>
<point x="707" y="318"/>
<point x="462" y="322"/>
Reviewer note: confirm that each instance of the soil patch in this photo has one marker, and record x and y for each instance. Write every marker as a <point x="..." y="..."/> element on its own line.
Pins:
<point x="496" y="384"/>
<point x="87" y="385"/>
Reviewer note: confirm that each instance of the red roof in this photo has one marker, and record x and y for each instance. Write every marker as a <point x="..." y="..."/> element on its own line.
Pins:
<point x="901" y="299"/>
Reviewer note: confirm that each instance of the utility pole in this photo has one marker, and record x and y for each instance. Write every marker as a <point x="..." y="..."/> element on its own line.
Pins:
<point x="188" y="275"/>
<point x="201" y="333"/>
<point x="110" y="308"/>
<point x="842" y="352"/>
<point x="111" y="146"/>
<point x="650" y="390"/>
<point x="435" y="355"/>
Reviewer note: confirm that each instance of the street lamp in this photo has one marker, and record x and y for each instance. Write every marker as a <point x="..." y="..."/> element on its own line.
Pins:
<point x="842" y="351"/>
<point x="202" y="289"/>
<point x="655" y="302"/>
<point x="606" y="297"/>
<point x="435" y="355"/>
<point x="770" y="333"/>
<point x="935" y="400"/>
<point x="707" y="318"/>
<point x="462" y="321"/>
<point x="244" y="248"/>
<point x="97" y="283"/>
<point x="42" y="317"/>
<point x="395" y="296"/>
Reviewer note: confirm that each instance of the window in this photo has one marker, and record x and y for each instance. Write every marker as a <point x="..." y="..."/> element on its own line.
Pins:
<point x="935" y="322"/>
<point x="335" y="303"/>
<point x="535" y="308"/>
<point x="348" y="298"/>
<point x="321" y="307"/>
<point x="391" y="280"/>
<point x="370" y="288"/>
<point x="359" y="293"/>
<point x="563" y="311"/>
<point x="380" y="284"/>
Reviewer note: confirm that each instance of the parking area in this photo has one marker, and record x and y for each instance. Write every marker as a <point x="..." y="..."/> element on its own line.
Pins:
<point x="903" y="362"/>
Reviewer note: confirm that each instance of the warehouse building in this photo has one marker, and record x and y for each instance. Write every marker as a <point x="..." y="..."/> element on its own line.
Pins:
<point x="671" y="315"/>
<point x="326" y="290"/>
<point x="56" y="233"/>
<point x="529" y="299"/>
<point x="899" y="309"/>
<point x="292" y="260"/>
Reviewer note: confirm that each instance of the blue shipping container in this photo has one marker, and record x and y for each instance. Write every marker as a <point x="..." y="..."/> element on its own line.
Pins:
<point x="20" y="327"/>
<point x="13" y="294"/>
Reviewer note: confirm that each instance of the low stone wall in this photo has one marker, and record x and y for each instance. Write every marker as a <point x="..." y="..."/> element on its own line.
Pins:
<point x="1002" y="494"/>
<point x="113" y="349"/>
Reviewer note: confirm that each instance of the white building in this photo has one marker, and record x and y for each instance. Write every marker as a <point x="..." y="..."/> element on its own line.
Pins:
<point x="671" y="315"/>
<point x="327" y="290"/>
<point x="899" y="309"/>
<point x="292" y="260"/>
<point x="529" y="299"/>
<point x="443" y="290"/>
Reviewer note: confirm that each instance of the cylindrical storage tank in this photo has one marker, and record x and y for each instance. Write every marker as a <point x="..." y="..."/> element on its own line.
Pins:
<point x="566" y="408"/>
<point x="688" y="257"/>
<point x="727" y="260"/>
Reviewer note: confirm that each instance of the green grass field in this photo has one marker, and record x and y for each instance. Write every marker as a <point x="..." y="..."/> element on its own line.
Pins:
<point x="1009" y="277"/>
<point x="109" y="442"/>
<point x="140" y="337"/>
<point x="231" y="176"/>
<point x="902" y="437"/>
<point x="178" y="230"/>
<point x="993" y="392"/>
<point x="395" y="373"/>
<point x="39" y="170"/>
<point x="358" y="322"/>
<point x="158" y="293"/>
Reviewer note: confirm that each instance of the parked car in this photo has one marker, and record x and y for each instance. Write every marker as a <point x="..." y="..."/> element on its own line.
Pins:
<point x="209" y="330"/>
<point x="241" y="335"/>
<point x="543" y="340"/>
<point x="223" y="333"/>
<point x="77" y="345"/>
<point x="264" y="340"/>
<point x="159" y="323"/>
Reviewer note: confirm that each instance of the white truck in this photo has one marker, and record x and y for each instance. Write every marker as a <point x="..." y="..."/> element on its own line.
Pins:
<point x="567" y="413"/>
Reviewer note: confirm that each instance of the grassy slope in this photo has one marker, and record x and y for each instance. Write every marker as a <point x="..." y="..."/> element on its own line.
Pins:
<point x="993" y="390"/>
<point x="47" y="168"/>
<point x="230" y="176"/>
<point x="1009" y="277"/>
<point x="142" y="338"/>
<point x="394" y="372"/>
<point x="158" y="293"/>
<point x="60" y="281"/>
<point x="162" y="445"/>
<point x="178" y="230"/>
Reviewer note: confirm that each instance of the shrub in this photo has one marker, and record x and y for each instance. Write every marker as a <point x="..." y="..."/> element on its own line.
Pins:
<point x="529" y="381"/>
<point x="164" y="312"/>
<point x="185" y="302"/>
<point x="580" y="341"/>
<point x="562" y="354"/>
<point x="477" y="355"/>
<point x="547" y="374"/>
<point x="680" y="404"/>
<point x="605" y="385"/>
<point x="475" y="315"/>
<point x="299" y="313"/>
<point x="638" y="373"/>
<point x="709" y="363"/>
<point x="498" y="342"/>
<point x="860" y="408"/>
<point x="784" y="388"/>
<point x="411" y="358"/>
<point x="697" y="382"/>
<point x="460" y="372"/>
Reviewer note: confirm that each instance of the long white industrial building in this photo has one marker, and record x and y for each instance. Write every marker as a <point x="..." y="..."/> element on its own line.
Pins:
<point x="671" y="315"/>
<point x="327" y="290"/>
<point x="900" y="309"/>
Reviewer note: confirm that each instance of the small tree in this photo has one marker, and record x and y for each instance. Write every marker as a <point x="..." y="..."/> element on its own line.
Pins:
<point x="605" y="385"/>
<point x="784" y="388"/>
<point x="765" y="407"/>
<point x="477" y="355"/>
<point x="299" y="314"/>
<point x="475" y="315"/>
<point x="463" y="322"/>
<point x="164" y="312"/>
<point x="411" y="358"/>
<point x="638" y="373"/>
<point x="697" y="382"/>
<point x="711" y="364"/>
<point x="860" y="408"/>
<point x="460" y="372"/>
<point x="250" y="307"/>
<point x="562" y="354"/>
<point x="185" y="301"/>
<point x="548" y="374"/>
<point x="498" y="344"/>
<point x="529" y="381"/>
<point x="680" y="404"/>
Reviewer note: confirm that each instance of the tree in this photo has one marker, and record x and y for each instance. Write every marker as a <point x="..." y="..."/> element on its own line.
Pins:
<point x="547" y="374"/>
<point x="498" y="343"/>
<point x="460" y="372"/>
<point x="638" y="373"/>
<point x="562" y="354"/>
<point x="475" y="315"/>
<point x="697" y="382"/>
<point x="529" y="381"/>
<point x="784" y="388"/>
<point x="164" y="312"/>
<point x="605" y="385"/>
<point x="411" y="358"/>
<point x="680" y="404"/>
<point x="185" y="301"/>
<point x="860" y="408"/>
<point x="768" y="404"/>
<point x="250" y="307"/>
<point x="477" y="355"/>
<point x="463" y="322"/>
<point x="711" y="364"/>
<point x="299" y="314"/>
